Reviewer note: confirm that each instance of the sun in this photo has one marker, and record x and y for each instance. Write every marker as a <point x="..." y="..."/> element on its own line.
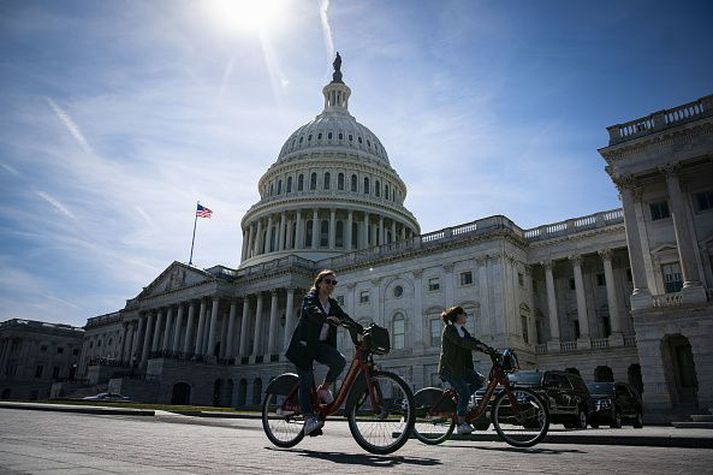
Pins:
<point x="248" y="15"/>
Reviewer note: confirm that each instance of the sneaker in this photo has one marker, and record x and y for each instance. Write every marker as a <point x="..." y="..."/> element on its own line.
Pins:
<point x="312" y="424"/>
<point x="325" y="395"/>
<point x="464" y="429"/>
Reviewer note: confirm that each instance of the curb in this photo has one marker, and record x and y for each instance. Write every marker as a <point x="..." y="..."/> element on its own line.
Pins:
<point x="78" y="409"/>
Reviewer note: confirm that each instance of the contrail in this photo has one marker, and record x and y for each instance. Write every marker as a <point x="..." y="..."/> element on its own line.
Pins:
<point x="56" y="204"/>
<point x="71" y="126"/>
<point x="326" y="29"/>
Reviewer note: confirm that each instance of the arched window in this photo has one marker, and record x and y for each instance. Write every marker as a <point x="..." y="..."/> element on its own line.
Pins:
<point x="355" y="235"/>
<point x="340" y="181"/>
<point x="351" y="137"/>
<point x="324" y="233"/>
<point x="354" y="183"/>
<point x="313" y="181"/>
<point x="339" y="238"/>
<point x="329" y="135"/>
<point x="289" y="184"/>
<point x="366" y="185"/>
<point x="319" y="136"/>
<point x="272" y="239"/>
<point x="386" y="191"/>
<point x="300" y="182"/>
<point x="399" y="331"/>
<point x="308" y="237"/>
<point x="377" y="188"/>
<point x="279" y="187"/>
<point x="327" y="179"/>
<point x="272" y="189"/>
<point x="341" y="136"/>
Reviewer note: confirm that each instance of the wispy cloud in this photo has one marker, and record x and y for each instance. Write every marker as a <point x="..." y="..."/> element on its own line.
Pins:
<point x="56" y="204"/>
<point x="10" y="169"/>
<point x="326" y="28"/>
<point x="71" y="126"/>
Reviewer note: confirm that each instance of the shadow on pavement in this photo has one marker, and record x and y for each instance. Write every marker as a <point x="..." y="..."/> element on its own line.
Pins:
<point x="524" y="450"/>
<point x="363" y="459"/>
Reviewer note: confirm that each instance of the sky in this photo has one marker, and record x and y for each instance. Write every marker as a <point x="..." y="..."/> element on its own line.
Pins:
<point x="117" y="116"/>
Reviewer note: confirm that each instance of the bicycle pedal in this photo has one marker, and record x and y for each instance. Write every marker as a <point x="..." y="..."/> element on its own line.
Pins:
<point x="316" y="433"/>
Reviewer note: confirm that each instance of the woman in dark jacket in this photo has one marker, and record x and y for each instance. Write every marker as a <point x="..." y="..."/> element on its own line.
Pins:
<point x="315" y="339"/>
<point x="456" y="362"/>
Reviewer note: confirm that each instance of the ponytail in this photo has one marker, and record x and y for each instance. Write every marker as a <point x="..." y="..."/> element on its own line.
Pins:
<point x="449" y="315"/>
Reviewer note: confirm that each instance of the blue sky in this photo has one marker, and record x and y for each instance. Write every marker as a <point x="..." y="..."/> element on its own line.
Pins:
<point x="118" y="116"/>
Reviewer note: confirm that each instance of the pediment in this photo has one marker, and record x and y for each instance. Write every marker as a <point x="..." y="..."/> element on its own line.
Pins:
<point x="664" y="248"/>
<point x="176" y="276"/>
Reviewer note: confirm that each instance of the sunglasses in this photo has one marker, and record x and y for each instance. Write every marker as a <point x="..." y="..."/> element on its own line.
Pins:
<point x="330" y="281"/>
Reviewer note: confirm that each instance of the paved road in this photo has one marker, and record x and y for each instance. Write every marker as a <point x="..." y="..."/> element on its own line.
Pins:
<point x="47" y="442"/>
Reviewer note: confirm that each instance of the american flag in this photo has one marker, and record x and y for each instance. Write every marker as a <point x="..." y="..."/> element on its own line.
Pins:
<point x="203" y="212"/>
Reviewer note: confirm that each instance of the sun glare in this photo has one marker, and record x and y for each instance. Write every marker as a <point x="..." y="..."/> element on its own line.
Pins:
<point x="248" y="15"/>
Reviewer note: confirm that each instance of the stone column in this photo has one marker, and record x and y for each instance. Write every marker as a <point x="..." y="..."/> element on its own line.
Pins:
<point x="131" y="336"/>
<point x="687" y="246"/>
<point x="268" y="235"/>
<point x="213" y="326"/>
<point x="382" y="231"/>
<point x="257" y="334"/>
<point x="169" y="327"/>
<point x="582" y="314"/>
<point x="177" y="328"/>
<point x="393" y="230"/>
<point x="188" y="343"/>
<point x="300" y="233"/>
<point x="641" y="296"/>
<point x="223" y="333"/>
<point x="365" y="231"/>
<point x="157" y="330"/>
<point x="281" y="233"/>
<point x="200" y="331"/>
<point x="554" y="343"/>
<point x="348" y="231"/>
<point x="138" y="340"/>
<point x="315" y="229"/>
<point x="531" y="320"/>
<point x="124" y="334"/>
<point x="289" y="318"/>
<point x="612" y="297"/>
<point x="147" y="340"/>
<point x="332" y="228"/>
<point x="244" y="327"/>
<point x="418" y="316"/>
<point x="251" y="241"/>
<point x="403" y="233"/>
<point x="482" y="262"/>
<point x="258" y="239"/>
<point x="448" y="283"/>
<point x="228" y="346"/>
<point x="272" y="331"/>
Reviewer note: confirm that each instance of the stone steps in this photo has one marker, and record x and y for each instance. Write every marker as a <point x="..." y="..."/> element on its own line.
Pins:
<point x="702" y="417"/>
<point x="693" y="425"/>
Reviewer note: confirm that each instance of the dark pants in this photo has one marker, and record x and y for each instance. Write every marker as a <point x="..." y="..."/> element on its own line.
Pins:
<point x="466" y="385"/>
<point x="327" y="355"/>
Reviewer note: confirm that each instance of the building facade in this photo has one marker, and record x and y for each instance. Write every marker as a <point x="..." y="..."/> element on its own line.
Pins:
<point x="621" y="294"/>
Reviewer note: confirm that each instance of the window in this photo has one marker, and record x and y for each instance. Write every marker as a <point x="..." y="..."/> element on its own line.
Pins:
<point x="659" y="210"/>
<point x="359" y="139"/>
<point x="327" y="179"/>
<point x="341" y="136"/>
<point x="386" y="191"/>
<point x="300" y="182"/>
<point x="340" y="182"/>
<point x="523" y="323"/>
<point x="60" y="350"/>
<point x="364" y="296"/>
<point x="355" y="235"/>
<point x="339" y="238"/>
<point x="75" y="352"/>
<point x="279" y="187"/>
<point x="571" y="283"/>
<point x="466" y="278"/>
<point x="354" y="183"/>
<point x="366" y="185"/>
<point x="340" y="300"/>
<point x="43" y="348"/>
<point x="324" y="233"/>
<point x="434" y="283"/>
<point x="38" y="371"/>
<point x="289" y="184"/>
<point x="704" y="200"/>
<point x="272" y="189"/>
<point x="55" y="372"/>
<point x="377" y="188"/>
<point x="435" y="326"/>
<point x="672" y="277"/>
<point x="308" y="237"/>
<point x="319" y="136"/>
<point x="398" y="291"/>
<point x="600" y="280"/>
<point x="313" y="181"/>
<point x="628" y="275"/>
<point x="520" y="279"/>
<point x="399" y="331"/>
<point x="351" y="138"/>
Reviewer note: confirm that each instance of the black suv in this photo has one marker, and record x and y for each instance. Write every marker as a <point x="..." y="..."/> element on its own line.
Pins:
<point x="565" y="393"/>
<point x="615" y="403"/>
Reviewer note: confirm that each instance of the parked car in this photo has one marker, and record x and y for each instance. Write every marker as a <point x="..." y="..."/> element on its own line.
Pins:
<point x="615" y="403"/>
<point x="565" y="393"/>
<point x="107" y="397"/>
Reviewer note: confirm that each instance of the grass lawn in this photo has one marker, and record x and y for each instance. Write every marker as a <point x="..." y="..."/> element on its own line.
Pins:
<point x="139" y="405"/>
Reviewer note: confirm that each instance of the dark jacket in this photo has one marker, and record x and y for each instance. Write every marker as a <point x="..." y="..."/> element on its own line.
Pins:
<point x="306" y="334"/>
<point x="457" y="352"/>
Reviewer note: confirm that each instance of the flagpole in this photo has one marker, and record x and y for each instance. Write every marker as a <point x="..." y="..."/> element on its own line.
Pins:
<point x="193" y="240"/>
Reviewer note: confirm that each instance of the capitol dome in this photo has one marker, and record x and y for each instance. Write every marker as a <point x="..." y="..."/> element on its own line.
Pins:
<point x="332" y="190"/>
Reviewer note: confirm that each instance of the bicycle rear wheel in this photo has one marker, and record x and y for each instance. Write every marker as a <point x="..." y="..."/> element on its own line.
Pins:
<point x="524" y="427"/>
<point x="384" y="427"/>
<point x="435" y="419"/>
<point x="282" y="420"/>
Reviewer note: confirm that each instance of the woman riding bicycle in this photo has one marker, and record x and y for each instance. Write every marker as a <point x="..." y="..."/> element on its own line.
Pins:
<point x="314" y="339"/>
<point x="456" y="361"/>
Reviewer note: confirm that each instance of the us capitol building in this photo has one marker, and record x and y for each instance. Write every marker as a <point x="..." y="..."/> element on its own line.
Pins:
<point x="623" y="294"/>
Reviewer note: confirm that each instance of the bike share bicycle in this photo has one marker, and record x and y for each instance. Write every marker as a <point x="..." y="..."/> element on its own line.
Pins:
<point x="519" y="416"/>
<point x="379" y="405"/>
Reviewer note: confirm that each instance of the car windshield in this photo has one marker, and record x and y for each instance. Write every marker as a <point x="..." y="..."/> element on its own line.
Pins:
<point x="525" y="377"/>
<point x="601" y="388"/>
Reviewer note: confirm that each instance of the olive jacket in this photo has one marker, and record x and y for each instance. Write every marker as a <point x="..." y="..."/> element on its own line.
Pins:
<point x="305" y="337"/>
<point x="457" y="352"/>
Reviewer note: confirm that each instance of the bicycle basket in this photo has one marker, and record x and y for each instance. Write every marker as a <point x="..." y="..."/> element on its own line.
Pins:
<point x="509" y="361"/>
<point x="376" y="340"/>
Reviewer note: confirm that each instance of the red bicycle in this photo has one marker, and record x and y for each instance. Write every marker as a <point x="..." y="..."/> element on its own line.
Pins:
<point x="519" y="416"/>
<point x="378" y="405"/>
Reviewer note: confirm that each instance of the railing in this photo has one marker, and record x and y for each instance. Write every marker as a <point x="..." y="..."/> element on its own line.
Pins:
<point x="275" y="264"/>
<point x="575" y="225"/>
<point x="108" y="362"/>
<point x="600" y="343"/>
<point x="568" y="346"/>
<point x="629" y="340"/>
<point x="103" y="319"/>
<point x="667" y="300"/>
<point x="541" y="348"/>
<point x="658" y="121"/>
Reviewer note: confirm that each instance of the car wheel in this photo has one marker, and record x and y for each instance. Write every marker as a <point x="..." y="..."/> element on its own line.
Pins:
<point x="639" y="420"/>
<point x="581" y="422"/>
<point x="615" y="420"/>
<point x="568" y="425"/>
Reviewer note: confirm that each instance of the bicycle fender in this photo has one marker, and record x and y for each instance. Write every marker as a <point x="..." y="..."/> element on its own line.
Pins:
<point x="283" y="384"/>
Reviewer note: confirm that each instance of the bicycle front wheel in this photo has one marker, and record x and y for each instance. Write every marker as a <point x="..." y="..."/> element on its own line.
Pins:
<point x="282" y="420"/>
<point x="435" y="416"/>
<point x="524" y="423"/>
<point x="381" y="422"/>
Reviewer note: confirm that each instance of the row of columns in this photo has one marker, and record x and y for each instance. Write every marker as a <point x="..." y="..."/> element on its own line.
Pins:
<point x="582" y="311"/>
<point x="290" y="230"/>
<point x="5" y="348"/>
